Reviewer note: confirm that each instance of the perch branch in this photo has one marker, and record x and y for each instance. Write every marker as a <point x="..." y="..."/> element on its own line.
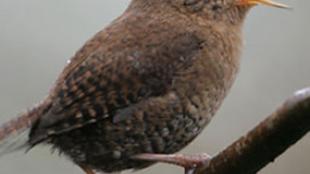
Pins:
<point x="266" y="141"/>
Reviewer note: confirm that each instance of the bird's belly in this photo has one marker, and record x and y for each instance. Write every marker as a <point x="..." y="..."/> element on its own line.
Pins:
<point x="108" y="146"/>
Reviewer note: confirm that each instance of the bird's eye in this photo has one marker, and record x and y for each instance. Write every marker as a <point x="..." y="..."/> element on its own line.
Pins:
<point x="216" y="7"/>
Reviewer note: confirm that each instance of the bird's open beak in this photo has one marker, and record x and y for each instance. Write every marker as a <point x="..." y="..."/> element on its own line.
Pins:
<point x="265" y="2"/>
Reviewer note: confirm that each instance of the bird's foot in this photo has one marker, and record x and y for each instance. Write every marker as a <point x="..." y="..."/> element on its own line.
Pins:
<point x="87" y="170"/>
<point x="188" y="162"/>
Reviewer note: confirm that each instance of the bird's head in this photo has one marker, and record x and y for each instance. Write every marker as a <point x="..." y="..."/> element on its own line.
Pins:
<point x="232" y="11"/>
<point x="228" y="11"/>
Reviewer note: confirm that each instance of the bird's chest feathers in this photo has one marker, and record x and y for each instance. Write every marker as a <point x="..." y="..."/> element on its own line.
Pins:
<point x="211" y="65"/>
<point x="210" y="73"/>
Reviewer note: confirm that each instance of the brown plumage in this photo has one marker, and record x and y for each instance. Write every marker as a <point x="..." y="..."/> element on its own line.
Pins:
<point x="148" y="83"/>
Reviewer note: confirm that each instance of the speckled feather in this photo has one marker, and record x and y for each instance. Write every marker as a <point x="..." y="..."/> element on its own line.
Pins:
<point x="148" y="83"/>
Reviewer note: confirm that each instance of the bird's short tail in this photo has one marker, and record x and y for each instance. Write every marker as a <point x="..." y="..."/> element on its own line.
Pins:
<point x="14" y="135"/>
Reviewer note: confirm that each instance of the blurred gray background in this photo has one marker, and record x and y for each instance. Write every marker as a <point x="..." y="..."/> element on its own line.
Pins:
<point x="38" y="36"/>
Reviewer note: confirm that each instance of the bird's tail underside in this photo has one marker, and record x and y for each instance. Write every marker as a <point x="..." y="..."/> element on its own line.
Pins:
<point x="14" y="135"/>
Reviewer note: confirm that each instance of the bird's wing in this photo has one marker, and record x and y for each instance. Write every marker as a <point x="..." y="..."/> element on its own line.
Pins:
<point x="108" y="85"/>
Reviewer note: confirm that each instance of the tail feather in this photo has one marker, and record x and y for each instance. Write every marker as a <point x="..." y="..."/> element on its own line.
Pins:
<point x="14" y="135"/>
<point x="14" y="142"/>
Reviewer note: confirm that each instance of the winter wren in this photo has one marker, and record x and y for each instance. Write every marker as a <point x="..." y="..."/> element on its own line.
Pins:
<point x="146" y="84"/>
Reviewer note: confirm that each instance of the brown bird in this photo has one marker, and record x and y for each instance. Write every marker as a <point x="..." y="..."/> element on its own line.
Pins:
<point x="142" y="88"/>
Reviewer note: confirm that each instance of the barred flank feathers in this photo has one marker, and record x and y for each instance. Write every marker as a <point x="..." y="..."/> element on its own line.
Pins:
<point x="14" y="135"/>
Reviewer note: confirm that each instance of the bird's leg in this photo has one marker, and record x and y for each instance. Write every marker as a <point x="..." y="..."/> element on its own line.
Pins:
<point x="86" y="169"/>
<point x="188" y="162"/>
